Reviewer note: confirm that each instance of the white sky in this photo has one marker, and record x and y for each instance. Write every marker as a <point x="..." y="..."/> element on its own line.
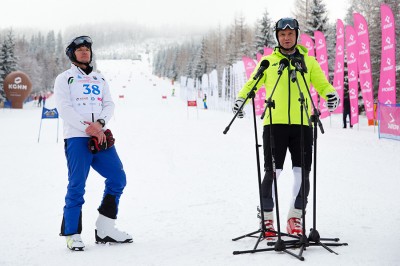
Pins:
<point x="52" y="14"/>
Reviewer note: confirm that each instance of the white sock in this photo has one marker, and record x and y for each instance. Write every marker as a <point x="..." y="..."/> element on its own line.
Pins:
<point x="296" y="213"/>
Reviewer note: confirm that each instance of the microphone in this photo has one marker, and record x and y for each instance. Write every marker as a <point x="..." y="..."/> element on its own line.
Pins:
<point x="263" y="66"/>
<point x="282" y="65"/>
<point x="299" y="65"/>
<point x="293" y="75"/>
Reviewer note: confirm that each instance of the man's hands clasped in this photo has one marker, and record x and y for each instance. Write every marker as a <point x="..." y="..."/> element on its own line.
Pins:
<point x="99" y="140"/>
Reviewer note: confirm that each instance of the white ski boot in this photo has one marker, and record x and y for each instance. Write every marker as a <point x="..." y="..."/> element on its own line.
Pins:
<point x="107" y="233"/>
<point x="74" y="242"/>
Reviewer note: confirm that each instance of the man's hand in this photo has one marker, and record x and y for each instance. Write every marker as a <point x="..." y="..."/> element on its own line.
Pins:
<point x="333" y="101"/>
<point x="95" y="129"/>
<point x="236" y="107"/>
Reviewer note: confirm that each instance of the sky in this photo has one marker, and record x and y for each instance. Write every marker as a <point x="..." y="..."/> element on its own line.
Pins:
<point x="190" y="188"/>
<point x="56" y="15"/>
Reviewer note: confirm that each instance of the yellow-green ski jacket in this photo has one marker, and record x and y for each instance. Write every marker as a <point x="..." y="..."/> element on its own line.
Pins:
<point x="286" y="95"/>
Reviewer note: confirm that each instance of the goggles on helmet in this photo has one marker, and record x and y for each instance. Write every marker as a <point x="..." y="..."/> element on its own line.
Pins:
<point x="82" y="40"/>
<point x="287" y="23"/>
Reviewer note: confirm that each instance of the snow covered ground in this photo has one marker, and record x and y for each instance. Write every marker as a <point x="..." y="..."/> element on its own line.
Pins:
<point x="191" y="189"/>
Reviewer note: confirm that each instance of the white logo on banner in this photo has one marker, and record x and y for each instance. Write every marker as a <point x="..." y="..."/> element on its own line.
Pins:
<point x="391" y="116"/>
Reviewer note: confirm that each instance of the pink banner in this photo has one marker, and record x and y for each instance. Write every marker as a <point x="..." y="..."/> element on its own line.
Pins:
<point x="249" y="65"/>
<point x="322" y="58"/>
<point x="364" y="64"/>
<point x="268" y="51"/>
<point x="338" y="77"/>
<point x="260" y="95"/>
<point x="387" y="82"/>
<point x="306" y="41"/>
<point x="258" y="56"/>
<point x="389" y="121"/>
<point x="352" y="52"/>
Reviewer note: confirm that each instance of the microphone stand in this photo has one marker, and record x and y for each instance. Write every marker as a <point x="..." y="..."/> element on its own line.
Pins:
<point x="302" y="242"/>
<point x="280" y="244"/>
<point x="314" y="236"/>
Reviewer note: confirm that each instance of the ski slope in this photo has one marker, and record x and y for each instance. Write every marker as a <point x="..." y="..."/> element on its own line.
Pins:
<point x="191" y="189"/>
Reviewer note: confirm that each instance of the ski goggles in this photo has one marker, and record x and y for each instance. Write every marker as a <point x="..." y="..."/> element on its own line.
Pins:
<point x="287" y="23"/>
<point x="82" y="40"/>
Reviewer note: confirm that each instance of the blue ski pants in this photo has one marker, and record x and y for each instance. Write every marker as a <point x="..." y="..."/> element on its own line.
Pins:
<point x="79" y="160"/>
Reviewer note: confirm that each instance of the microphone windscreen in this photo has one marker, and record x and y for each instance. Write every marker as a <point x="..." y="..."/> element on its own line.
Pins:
<point x="284" y="62"/>
<point x="264" y="63"/>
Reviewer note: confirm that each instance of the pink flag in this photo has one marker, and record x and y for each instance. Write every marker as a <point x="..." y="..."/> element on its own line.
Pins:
<point x="306" y="40"/>
<point x="338" y="77"/>
<point x="260" y="95"/>
<point x="258" y="56"/>
<point x="352" y="52"/>
<point x="387" y="82"/>
<point x="364" y="64"/>
<point x="322" y="58"/>
<point x="268" y="51"/>
<point x="249" y="65"/>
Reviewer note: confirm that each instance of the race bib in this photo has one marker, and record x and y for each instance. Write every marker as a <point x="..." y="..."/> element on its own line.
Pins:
<point x="87" y="93"/>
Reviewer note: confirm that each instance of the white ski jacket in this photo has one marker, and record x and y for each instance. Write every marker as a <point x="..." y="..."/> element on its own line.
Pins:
<point x="82" y="98"/>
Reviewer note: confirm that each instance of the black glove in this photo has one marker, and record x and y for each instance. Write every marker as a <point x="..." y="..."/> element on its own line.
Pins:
<point x="236" y="107"/>
<point x="110" y="138"/>
<point x="333" y="101"/>
<point x="95" y="146"/>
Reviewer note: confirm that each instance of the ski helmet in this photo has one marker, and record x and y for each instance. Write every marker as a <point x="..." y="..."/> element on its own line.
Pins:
<point x="285" y="23"/>
<point x="75" y="44"/>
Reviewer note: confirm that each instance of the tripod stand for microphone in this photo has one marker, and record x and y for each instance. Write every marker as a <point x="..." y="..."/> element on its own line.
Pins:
<point x="314" y="236"/>
<point x="302" y="242"/>
<point x="280" y="244"/>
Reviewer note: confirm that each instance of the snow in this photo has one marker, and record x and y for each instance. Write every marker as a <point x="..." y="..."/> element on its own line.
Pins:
<point x="191" y="189"/>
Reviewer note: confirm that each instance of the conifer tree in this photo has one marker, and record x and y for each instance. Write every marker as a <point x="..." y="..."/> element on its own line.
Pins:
<point x="264" y="36"/>
<point x="318" y="18"/>
<point x="8" y="59"/>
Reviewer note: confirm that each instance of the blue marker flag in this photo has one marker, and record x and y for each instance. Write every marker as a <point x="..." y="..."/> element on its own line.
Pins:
<point x="49" y="113"/>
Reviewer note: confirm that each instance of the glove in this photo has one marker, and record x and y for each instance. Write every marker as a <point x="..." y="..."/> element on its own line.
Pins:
<point x="236" y="107"/>
<point x="95" y="146"/>
<point x="109" y="138"/>
<point x="333" y="101"/>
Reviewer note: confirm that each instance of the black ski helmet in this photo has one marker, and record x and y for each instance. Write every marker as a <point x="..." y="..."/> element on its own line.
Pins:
<point x="285" y="23"/>
<point x="75" y="44"/>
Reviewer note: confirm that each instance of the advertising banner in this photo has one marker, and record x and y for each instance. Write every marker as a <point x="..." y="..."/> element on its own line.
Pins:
<point x="364" y="64"/>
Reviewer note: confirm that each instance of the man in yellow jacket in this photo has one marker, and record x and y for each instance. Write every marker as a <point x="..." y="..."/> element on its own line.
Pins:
<point x="286" y="117"/>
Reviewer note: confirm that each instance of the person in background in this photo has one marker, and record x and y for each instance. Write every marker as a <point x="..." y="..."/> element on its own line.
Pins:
<point x="205" y="101"/>
<point x="286" y="119"/>
<point x="40" y="101"/>
<point x="84" y="102"/>
<point x="346" y="110"/>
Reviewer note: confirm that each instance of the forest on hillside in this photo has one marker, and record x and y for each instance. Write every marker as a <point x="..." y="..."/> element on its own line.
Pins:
<point x="41" y="55"/>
